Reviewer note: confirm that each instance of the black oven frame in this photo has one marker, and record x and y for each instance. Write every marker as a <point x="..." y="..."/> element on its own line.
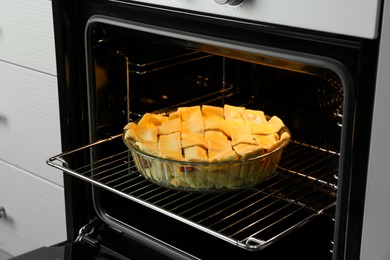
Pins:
<point x="358" y="56"/>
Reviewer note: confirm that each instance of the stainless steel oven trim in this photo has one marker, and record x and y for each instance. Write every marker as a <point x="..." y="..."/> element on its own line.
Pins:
<point x="257" y="12"/>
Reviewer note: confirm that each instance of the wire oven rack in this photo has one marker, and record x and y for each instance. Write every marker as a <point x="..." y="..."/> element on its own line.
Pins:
<point x="303" y="187"/>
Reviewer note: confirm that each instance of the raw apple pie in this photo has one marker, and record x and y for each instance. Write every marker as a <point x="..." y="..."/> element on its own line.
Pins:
<point x="207" y="147"/>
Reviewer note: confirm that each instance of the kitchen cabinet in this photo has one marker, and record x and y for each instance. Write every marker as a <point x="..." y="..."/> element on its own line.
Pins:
<point x="30" y="191"/>
<point x="29" y="128"/>
<point x="27" y="34"/>
<point x="34" y="211"/>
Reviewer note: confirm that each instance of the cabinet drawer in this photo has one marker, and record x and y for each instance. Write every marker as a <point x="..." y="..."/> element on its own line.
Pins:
<point x="35" y="211"/>
<point x="26" y="34"/>
<point x="29" y="120"/>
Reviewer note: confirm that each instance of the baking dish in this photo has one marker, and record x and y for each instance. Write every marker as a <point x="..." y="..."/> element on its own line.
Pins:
<point x="207" y="176"/>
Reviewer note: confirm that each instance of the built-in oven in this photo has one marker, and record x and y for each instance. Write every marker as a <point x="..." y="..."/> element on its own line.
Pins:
<point x="314" y="65"/>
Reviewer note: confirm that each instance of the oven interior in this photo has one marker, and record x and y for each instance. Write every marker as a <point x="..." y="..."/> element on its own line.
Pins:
<point x="134" y="71"/>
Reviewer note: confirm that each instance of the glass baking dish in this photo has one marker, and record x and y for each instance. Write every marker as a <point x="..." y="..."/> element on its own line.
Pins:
<point x="207" y="176"/>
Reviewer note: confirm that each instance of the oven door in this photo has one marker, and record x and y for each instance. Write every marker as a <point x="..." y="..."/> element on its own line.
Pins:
<point x="75" y="250"/>
<point x="136" y="245"/>
<point x="71" y="251"/>
<point x="97" y="241"/>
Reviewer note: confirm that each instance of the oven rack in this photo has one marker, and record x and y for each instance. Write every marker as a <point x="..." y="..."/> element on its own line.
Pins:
<point x="303" y="187"/>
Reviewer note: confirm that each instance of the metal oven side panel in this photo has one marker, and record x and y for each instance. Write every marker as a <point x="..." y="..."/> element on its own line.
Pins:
<point x="376" y="228"/>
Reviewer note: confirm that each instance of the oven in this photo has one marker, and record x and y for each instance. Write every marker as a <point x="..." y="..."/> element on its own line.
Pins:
<point x="308" y="63"/>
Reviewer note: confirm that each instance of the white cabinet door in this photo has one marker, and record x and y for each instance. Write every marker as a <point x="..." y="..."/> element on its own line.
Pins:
<point x="29" y="120"/>
<point x="26" y="34"/>
<point x="34" y="211"/>
<point x="30" y="191"/>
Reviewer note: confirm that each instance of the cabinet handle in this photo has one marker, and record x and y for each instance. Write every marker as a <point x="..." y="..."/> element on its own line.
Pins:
<point x="3" y="119"/>
<point x="2" y="212"/>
